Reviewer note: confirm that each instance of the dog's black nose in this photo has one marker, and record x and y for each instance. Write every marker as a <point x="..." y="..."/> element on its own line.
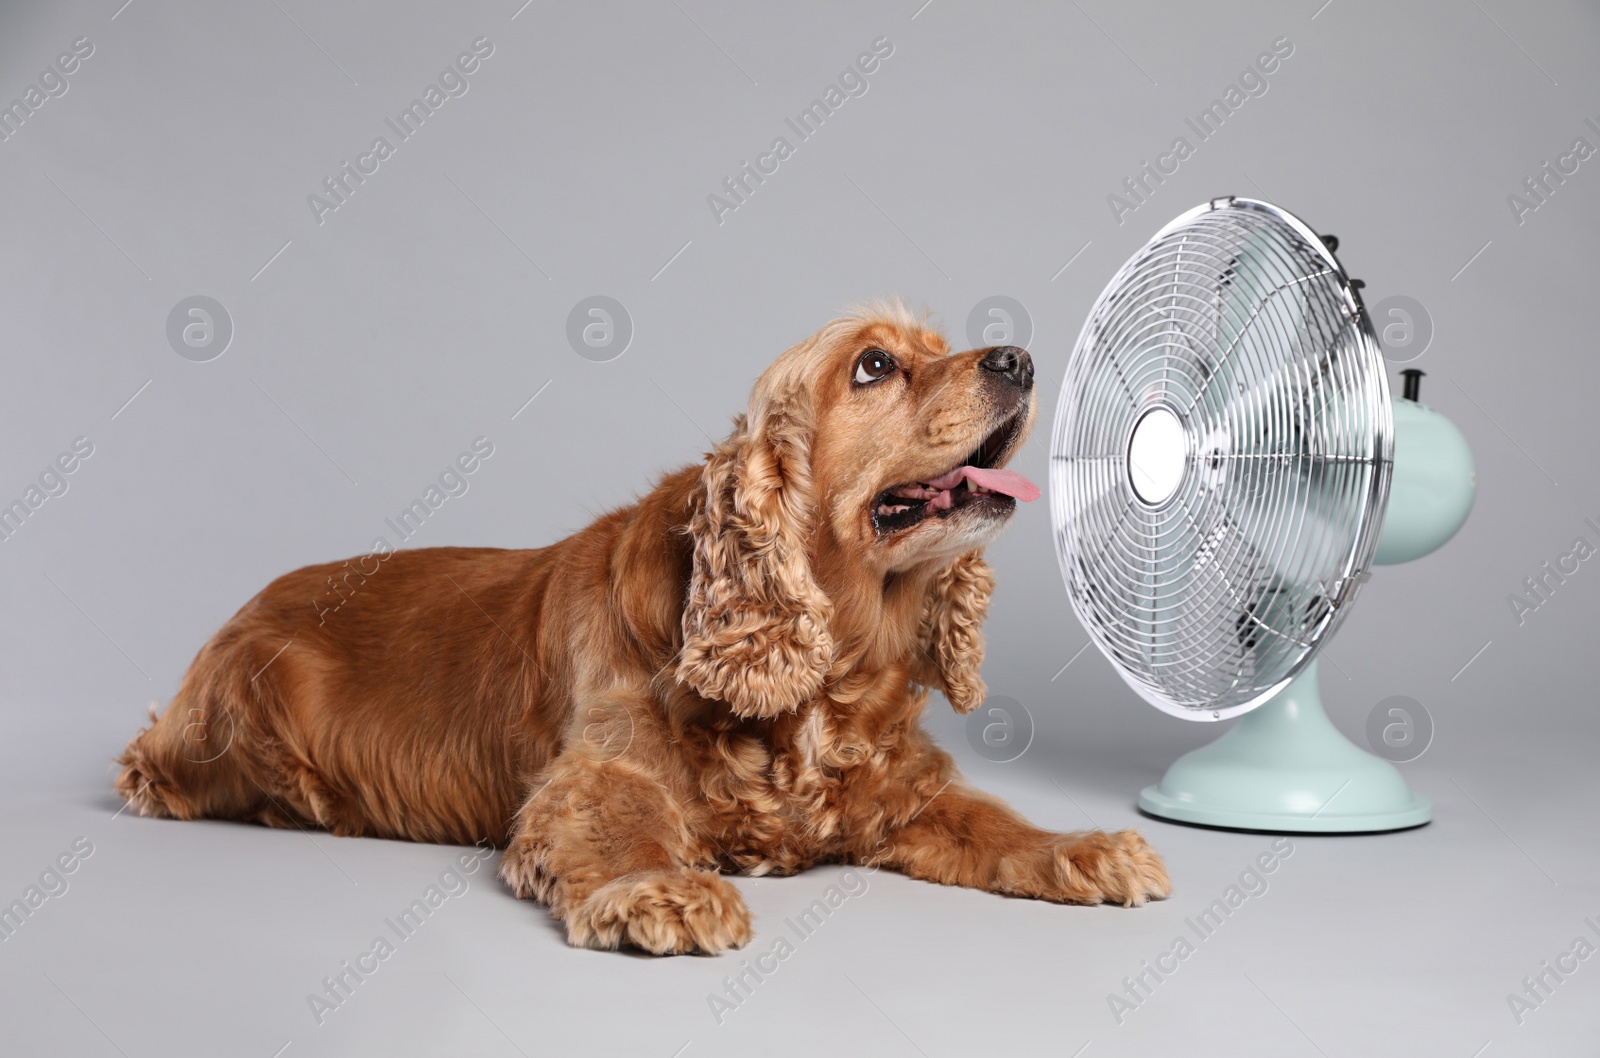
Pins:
<point x="1011" y="363"/>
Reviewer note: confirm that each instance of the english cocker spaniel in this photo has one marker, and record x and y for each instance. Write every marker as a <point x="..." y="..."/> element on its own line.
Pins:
<point x="725" y="677"/>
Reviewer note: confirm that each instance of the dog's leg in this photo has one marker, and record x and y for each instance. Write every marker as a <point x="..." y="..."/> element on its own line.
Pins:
<point x="608" y="848"/>
<point x="959" y="836"/>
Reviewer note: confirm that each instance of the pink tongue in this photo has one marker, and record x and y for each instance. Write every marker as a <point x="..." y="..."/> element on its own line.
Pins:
<point x="1008" y="482"/>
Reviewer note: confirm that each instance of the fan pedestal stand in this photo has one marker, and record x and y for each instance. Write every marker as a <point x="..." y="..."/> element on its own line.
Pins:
<point x="1285" y="768"/>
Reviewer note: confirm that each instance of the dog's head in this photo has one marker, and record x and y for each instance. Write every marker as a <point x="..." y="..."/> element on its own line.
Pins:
<point x="870" y="451"/>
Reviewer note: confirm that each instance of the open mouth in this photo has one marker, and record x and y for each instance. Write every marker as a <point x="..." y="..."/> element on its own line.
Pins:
<point x="976" y="483"/>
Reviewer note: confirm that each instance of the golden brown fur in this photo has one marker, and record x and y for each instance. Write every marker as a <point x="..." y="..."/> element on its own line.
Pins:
<point x="724" y="677"/>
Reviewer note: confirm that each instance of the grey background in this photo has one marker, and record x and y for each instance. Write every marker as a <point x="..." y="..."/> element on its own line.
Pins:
<point x="428" y="309"/>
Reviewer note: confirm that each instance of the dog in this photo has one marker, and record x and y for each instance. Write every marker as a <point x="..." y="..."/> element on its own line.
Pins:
<point x="725" y="677"/>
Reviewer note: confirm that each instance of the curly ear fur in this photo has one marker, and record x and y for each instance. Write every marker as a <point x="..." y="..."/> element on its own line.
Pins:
<point x="755" y="626"/>
<point x="951" y="638"/>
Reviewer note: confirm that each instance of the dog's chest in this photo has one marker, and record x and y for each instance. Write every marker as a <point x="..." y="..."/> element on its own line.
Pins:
<point x="810" y="801"/>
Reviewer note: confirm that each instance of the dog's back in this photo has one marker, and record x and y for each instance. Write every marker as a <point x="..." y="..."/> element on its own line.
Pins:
<point x="410" y="694"/>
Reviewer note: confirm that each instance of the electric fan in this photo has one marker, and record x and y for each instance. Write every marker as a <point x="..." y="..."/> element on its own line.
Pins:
<point x="1226" y="465"/>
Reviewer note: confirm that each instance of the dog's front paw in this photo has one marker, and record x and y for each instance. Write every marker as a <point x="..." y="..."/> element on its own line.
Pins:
<point x="1111" y="868"/>
<point x="1094" y="868"/>
<point x="662" y="912"/>
<point x="1145" y="874"/>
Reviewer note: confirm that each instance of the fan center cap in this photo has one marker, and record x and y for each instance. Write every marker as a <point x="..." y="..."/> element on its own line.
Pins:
<point x="1157" y="455"/>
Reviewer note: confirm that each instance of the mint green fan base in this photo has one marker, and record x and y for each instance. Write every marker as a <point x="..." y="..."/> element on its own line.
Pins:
<point x="1284" y="767"/>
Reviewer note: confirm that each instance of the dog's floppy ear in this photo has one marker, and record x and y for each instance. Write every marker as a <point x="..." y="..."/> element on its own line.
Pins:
<point x="950" y="642"/>
<point x="755" y="626"/>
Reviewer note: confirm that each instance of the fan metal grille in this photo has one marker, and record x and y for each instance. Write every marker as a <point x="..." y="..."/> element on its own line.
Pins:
<point x="1238" y="320"/>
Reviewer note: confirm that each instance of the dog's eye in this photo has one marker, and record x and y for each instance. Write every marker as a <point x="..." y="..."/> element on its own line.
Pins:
<point x="874" y="365"/>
